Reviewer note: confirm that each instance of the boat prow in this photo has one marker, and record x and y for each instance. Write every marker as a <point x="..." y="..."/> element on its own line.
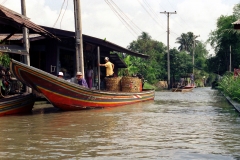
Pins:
<point x="17" y="104"/>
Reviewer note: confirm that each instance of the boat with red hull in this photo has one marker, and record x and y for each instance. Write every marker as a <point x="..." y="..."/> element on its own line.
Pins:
<point x="70" y="96"/>
<point x="17" y="104"/>
<point x="187" y="88"/>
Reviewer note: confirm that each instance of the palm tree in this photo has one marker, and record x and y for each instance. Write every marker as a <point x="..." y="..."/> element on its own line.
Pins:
<point x="182" y="40"/>
<point x="186" y="41"/>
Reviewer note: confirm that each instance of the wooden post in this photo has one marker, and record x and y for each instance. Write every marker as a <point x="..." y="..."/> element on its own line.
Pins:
<point x="168" y="56"/>
<point x="230" y="59"/>
<point x="79" y="40"/>
<point x="99" y="68"/>
<point x="26" y="41"/>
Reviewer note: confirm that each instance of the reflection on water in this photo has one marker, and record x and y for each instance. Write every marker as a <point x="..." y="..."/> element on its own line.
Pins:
<point x="196" y="125"/>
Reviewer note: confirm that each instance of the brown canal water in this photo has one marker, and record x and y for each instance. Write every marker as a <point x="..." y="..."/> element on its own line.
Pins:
<point x="177" y="126"/>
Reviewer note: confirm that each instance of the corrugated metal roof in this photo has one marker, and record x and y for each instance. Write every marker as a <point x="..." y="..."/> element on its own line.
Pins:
<point x="118" y="61"/>
<point x="17" y="37"/>
<point x="96" y="41"/>
<point x="16" y="20"/>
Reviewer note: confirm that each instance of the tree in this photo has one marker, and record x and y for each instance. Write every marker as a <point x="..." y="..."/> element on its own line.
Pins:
<point x="152" y="68"/>
<point x="181" y="64"/>
<point x="236" y="11"/>
<point x="186" y="41"/>
<point x="221" y="39"/>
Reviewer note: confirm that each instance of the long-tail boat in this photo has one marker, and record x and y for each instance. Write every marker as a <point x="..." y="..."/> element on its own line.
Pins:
<point x="187" y="88"/>
<point x="70" y="96"/>
<point x="17" y="104"/>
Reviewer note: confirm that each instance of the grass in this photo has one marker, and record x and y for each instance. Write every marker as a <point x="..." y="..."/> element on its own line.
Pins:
<point x="148" y="86"/>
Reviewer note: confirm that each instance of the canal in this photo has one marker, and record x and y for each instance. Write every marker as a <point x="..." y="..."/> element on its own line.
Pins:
<point x="178" y="126"/>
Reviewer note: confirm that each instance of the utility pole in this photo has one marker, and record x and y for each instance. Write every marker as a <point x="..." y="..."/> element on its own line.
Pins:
<point x="78" y="34"/>
<point x="230" y="58"/>
<point x="194" y="46"/>
<point x="26" y="41"/>
<point x="168" y="57"/>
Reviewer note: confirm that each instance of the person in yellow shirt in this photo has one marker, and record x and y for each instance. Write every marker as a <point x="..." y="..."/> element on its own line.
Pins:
<point x="109" y="67"/>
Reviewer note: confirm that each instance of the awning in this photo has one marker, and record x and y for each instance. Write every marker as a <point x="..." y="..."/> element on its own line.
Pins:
<point x="115" y="58"/>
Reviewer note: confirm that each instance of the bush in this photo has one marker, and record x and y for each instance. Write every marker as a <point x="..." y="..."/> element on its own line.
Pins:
<point x="230" y="86"/>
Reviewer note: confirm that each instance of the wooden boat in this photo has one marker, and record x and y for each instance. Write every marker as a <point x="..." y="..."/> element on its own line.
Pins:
<point x="188" y="87"/>
<point x="182" y="89"/>
<point x="70" y="96"/>
<point x="17" y="104"/>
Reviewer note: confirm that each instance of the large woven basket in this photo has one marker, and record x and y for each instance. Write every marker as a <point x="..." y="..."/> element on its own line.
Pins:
<point x="131" y="84"/>
<point x="113" y="84"/>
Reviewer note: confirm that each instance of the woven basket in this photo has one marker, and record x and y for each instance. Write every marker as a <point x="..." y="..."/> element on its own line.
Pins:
<point x="131" y="84"/>
<point x="113" y="84"/>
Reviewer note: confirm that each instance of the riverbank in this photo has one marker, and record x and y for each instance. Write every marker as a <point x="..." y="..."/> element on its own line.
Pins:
<point x="235" y="104"/>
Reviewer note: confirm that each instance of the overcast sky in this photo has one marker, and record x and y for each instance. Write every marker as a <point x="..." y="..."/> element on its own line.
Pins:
<point x="134" y="16"/>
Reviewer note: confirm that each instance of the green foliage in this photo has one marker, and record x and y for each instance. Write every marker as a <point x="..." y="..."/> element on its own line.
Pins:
<point x="186" y="41"/>
<point x="4" y="59"/>
<point x="230" y="86"/>
<point x="148" y="86"/>
<point x="155" y="67"/>
<point x="221" y="39"/>
<point x="152" y="68"/>
<point x="236" y="11"/>
<point x="181" y="63"/>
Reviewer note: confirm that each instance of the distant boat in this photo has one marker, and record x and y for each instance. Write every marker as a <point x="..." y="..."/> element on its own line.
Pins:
<point x="183" y="89"/>
<point x="17" y="104"/>
<point x="70" y="96"/>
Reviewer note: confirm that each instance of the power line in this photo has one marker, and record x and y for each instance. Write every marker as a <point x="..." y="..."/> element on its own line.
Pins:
<point x="157" y="15"/>
<point x="63" y="14"/>
<point x="121" y="19"/>
<point x="119" y="14"/>
<point x="59" y="13"/>
<point x="3" y="2"/>
<point x="134" y="25"/>
<point x="179" y="15"/>
<point x="150" y="14"/>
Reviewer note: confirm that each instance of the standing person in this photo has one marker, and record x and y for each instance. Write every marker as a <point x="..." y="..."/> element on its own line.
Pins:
<point x="192" y="79"/>
<point x="89" y="76"/>
<point x="109" y="67"/>
<point x="60" y="74"/>
<point x="204" y="81"/>
<point x="182" y="81"/>
<point x="80" y="80"/>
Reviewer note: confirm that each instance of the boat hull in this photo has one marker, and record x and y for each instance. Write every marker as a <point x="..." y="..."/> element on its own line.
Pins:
<point x="69" y="96"/>
<point x="17" y="104"/>
<point x="182" y="89"/>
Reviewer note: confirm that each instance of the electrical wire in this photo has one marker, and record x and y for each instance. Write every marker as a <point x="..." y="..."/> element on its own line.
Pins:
<point x="179" y="16"/>
<point x="121" y="19"/>
<point x="3" y="2"/>
<point x="127" y="25"/>
<point x="150" y="14"/>
<point x="126" y="16"/>
<point x="63" y="14"/>
<point x="151" y="9"/>
<point x="59" y="14"/>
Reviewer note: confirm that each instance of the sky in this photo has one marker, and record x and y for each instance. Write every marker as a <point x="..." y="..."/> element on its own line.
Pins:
<point x="122" y="21"/>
